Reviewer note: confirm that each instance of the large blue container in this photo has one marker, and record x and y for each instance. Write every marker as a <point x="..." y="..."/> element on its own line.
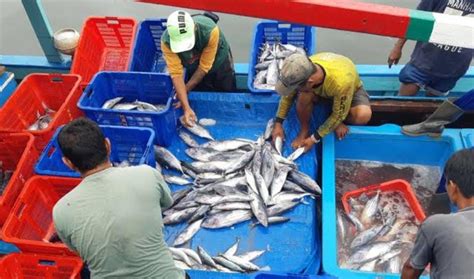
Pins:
<point x="468" y="137"/>
<point x="7" y="86"/>
<point x="294" y="247"/>
<point x="387" y="144"/>
<point x="274" y="32"/>
<point x="147" y="87"/>
<point x="147" y="55"/>
<point x="134" y="145"/>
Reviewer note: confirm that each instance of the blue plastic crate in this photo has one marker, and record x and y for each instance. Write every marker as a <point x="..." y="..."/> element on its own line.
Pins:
<point x="147" y="55"/>
<point x="147" y="87"/>
<point x="128" y="143"/>
<point x="273" y="32"/>
<point x="7" y="86"/>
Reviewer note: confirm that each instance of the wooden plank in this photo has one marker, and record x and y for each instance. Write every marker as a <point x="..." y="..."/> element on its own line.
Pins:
<point x="403" y="106"/>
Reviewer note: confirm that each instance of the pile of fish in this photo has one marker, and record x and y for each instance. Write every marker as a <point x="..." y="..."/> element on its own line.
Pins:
<point x="115" y="103"/>
<point x="42" y="120"/>
<point x="228" y="261"/>
<point x="5" y="176"/>
<point x="270" y="62"/>
<point x="380" y="233"/>
<point x="232" y="181"/>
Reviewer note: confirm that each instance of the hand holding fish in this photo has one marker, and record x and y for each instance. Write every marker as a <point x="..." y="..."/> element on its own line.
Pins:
<point x="277" y="132"/>
<point x="189" y="117"/>
<point x="308" y="144"/>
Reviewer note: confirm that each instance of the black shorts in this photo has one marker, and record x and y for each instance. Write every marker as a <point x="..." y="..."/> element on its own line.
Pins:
<point x="221" y="80"/>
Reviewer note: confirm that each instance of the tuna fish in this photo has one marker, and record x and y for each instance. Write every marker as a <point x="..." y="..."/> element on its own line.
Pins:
<point x="188" y="233"/>
<point x="166" y="158"/>
<point x="197" y="129"/>
<point x="187" y="139"/>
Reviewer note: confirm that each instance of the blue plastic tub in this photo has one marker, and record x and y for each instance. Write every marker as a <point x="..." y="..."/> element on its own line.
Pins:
<point x="386" y="144"/>
<point x="274" y="32"/>
<point x="7" y="86"/>
<point x="128" y="143"/>
<point x="294" y="247"/>
<point x="147" y="55"/>
<point x="468" y="137"/>
<point x="147" y="87"/>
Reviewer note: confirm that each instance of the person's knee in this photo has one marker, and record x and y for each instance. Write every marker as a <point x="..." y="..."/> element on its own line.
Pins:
<point x="408" y="89"/>
<point x="360" y="115"/>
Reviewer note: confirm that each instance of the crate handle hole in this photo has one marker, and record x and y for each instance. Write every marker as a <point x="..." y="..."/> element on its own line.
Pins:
<point x="284" y="25"/>
<point x="51" y="151"/>
<point x="46" y="262"/>
<point x="57" y="79"/>
<point x="113" y="22"/>
<point x="89" y="93"/>
<point x="20" y="210"/>
<point x="247" y="106"/>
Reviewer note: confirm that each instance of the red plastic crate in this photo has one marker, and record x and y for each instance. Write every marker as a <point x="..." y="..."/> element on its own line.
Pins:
<point x="30" y="223"/>
<point x="56" y="91"/>
<point x="105" y="45"/>
<point x="17" y="152"/>
<point x="33" y="266"/>
<point x="397" y="185"/>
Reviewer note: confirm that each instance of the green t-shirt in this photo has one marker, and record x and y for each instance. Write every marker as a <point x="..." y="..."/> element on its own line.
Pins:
<point x="113" y="220"/>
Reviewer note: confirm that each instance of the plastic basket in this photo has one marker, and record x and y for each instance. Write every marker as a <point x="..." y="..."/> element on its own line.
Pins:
<point x="55" y="91"/>
<point x="34" y="266"/>
<point x="30" y="223"/>
<point x="148" y="87"/>
<point x="17" y="152"/>
<point x="274" y="32"/>
<point x="147" y="55"/>
<point x="7" y="86"/>
<point x="398" y="185"/>
<point x="105" y="45"/>
<point x="134" y="145"/>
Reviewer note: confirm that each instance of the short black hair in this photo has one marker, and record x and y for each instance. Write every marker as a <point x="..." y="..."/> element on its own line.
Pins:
<point x="83" y="143"/>
<point x="460" y="170"/>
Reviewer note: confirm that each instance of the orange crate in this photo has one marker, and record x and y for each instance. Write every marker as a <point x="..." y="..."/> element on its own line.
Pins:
<point x="397" y="185"/>
<point x="17" y="153"/>
<point x="30" y="224"/>
<point x="56" y="91"/>
<point x="32" y="266"/>
<point x="105" y="45"/>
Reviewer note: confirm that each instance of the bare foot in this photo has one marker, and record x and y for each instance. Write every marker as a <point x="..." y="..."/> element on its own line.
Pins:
<point x="298" y="141"/>
<point x="341" y="131"/>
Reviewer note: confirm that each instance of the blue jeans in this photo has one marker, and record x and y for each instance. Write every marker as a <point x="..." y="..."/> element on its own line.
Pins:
<point x="434" y="85"/>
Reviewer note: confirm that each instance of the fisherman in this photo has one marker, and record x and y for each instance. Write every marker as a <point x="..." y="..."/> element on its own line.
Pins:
<point x="112" y="219"/>
<point x="445" y="114"/>
<point x="445" y="240"/>
<point x="434" y="67"/>
<point x="324" y="75"/>
<point x="198" y="45"/>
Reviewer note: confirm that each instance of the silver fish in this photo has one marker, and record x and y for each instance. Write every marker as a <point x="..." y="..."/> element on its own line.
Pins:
<point x="241" y="162"/>
<point x="283" y="197"/>
<point x="214" y="166"/>
<point x="197" y="129"/>
<point x="214" y="200"/>
<point x="268" y="166"/>
<point x="293" y="187"/>
<point x="232" y="250"/>
<point x="282" y="160"/>
<point x="227" y="219"/>
<point x="296" y="154"/>
<point x="165" y="157"/>
<point x="201" y="154"/>
<point x="279" y="181"/>
<point x="178" y="180"/>
<point x="251" y="255"/>
<point x="246" y="265"/>
<point x="179" y="216"/>
<point x="224" y="190"/>
<point x="228" y="264"/>
<point x="188" y="233"/>
<point x="304" y="181"/>
<point x="394" y="265"/>
<point x="272" y="73"/>
<point x="205" y="257"/>
<point x="273" y="220"/>
<point x="207" y="122"/>
<point x="371" y="252"/>
<point x="181" y="265"/>
<point x="354" y="220"/>
<point x="125" y="106"/>
<point x="279" y="145"/>
<point x="368" y="266"/>
<point x="222" y="268"/>
<point x="262" y="66"/>
<point x="192" y="255"/>
<point x="180" y="255"/>
<point x="387" y="257"/>
<point x="262" y="188"/>
<point x="370" y="209"/>
<point x="277" y="209"/>
<point x="257" y="161"/>
<point x="178" y="195"/>
<point x="111" y="103"/>
<point x="366" y="236"/>
<point x="184" y="205"/>
<point x="200" y="213"/>
<point x="187" y="139"/>
<point x="268" y="129"/>
<point x="225" y="145"/>
<point x="266" y="51"/>
<point x="251" y="180"/>
<point x="259" y="209"/>
<point x="232" y="206"/>
<point x="144" y="106"/>
<point x="341" y="229"/>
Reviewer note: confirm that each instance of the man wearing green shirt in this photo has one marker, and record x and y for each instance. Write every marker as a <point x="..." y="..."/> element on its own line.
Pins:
<point x="112" y="219"/>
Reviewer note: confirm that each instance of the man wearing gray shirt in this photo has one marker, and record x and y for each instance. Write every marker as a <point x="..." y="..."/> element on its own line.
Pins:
<point x="112" y="219"/>
<point x="446" y="241"/>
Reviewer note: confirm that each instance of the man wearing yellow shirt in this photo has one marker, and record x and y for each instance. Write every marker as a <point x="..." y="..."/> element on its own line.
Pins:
<point x="323" y="75"/>
<point x="197" y="45"/>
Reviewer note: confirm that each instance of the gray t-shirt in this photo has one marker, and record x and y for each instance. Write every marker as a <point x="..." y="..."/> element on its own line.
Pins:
<point x="442" y="60"/>
<point x="447" y="242"/>
<point x="113" y="220"/>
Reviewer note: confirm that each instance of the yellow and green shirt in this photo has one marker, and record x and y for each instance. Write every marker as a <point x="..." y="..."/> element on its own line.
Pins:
<point x="340" y="83"/>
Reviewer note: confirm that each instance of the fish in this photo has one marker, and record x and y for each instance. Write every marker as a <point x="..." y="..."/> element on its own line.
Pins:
<point x="277" y="209"/>
<point x="166" y="158"/>
<point x="181" y="265"/>
<point x="144" y="106"/>
<point x="272" y="220"/>
<point x="279" y="145"/>
<point x="292" y="187"/>
<point x="188" y="233"/>
<point x="245" y="265"/>
<point x="368" y="266"/>
<point x="214" y="200"/>
<point x="279" y="181"/>
<point x="268" y="129"/>
<point x="257" y="162"/>
<point x="387" y="257"/>
<point x="305" y="182"/>
<point x="201" y="154"/>
<point x="232" y="250"/>
<point x="225" y="145"/>
<point x="224" y="269"/>
<point x="296" y="154"/>
<point x="207" y="122"/>
<point x="394" y="265"/>
<point x="178" y="195"/>
<point x="266" y="51"/>
<point x="370" y="209"/>
<point x="259" y="209"/>
<point x="111" y="102"/>
<point x="241" y="162"/>
<point x="283" y="197"/>
<point x="206" y="258"/>
<point x="341" y="229"/>
<point x="187" y="139"/>
<point x="268" y="166"/>
<point x="226" y="219"/>
<point x="261" y="67"/>
<point x="125" y="106"/>
<point x="232" y="206"/>
<point x="213" y="166"/>
<point x="371" y="252"/>
<point x="228" y="264"/>
<point x="262" y="187"/>
<point x="179" y="216"/>
<point x="272" y="73"/>
<point x="251" y="255"/>
<point x="179" y="254"/>
<point x="355" y="221"/>
<point x="178" y="180"/>
<point x="282" y="160"/>
<point x="366" y="236"/>
<point x="251" y="180"/>
<point x="200" y="213"/>
<point x="197" y="130"/>
<point x="192" y="255"/>
<point x="225" y="190"/>
<point x="184" y="205"/>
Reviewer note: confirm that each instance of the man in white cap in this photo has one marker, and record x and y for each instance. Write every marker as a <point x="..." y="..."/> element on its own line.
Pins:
<point x="323" y="75"/>
<point x="198" y="45"/>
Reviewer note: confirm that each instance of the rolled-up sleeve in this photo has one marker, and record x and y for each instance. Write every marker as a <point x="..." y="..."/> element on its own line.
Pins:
<point x="173" y="62"/>
<point x="209" y="52"/>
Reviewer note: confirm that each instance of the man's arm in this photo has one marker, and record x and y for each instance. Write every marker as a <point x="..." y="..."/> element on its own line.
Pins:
<point x="420" y="257"/>
<point x="284" y="107"/>
<point x="206" y="61"/>
<point x="409" y="272"/>
<point x="165" y="194"/>
<point x="58" y="226"/>
<point x="340" y="108"/>
<point x="396" y="52"/>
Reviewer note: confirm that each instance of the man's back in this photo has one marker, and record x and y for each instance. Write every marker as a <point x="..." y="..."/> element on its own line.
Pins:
<point x="447" y="242"/>
<point x="113" y="220"/>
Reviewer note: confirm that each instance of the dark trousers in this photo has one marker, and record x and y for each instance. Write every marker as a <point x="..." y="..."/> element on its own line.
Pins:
<point x="221" y="79"/>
